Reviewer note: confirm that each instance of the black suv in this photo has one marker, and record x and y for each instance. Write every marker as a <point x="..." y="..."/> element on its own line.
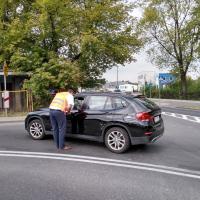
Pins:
<point x="118" y="120"/>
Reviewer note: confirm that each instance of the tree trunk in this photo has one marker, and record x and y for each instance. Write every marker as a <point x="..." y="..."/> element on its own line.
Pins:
<point x="183" y="89"/>
<point x="53" y="34"/>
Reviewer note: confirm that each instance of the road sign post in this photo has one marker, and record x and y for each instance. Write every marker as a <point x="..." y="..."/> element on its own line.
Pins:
<point x="6" y="99"/>
<point x="6" y="93"/>
<point x="150" y="85"/>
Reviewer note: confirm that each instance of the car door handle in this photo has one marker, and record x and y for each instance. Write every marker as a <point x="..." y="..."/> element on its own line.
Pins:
<point x="109" y="116"/>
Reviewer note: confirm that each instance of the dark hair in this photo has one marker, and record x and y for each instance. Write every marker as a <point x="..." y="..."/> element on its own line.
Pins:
<point x="71" y="90"/>
<point x="62" y="90"/>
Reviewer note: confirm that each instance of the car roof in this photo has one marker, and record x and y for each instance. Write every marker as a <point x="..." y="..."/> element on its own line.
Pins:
<point x="112" y="94"/>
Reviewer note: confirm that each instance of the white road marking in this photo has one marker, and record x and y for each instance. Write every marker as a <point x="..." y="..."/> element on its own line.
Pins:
<point x="182" y="116"/>
<point x="98" y="158"/>
<point x="105" y="161"/>
<point x="172" y="114"/>
<point x="197" y="119"/>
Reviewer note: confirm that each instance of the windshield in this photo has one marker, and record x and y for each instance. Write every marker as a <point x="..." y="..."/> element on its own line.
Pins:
<point x="144" y="102"/>
<point x="147" y="103"/>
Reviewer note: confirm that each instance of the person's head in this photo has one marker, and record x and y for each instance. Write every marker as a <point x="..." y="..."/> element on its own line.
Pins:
<point x="71" y="91"/>
<point x="62" y="90"/>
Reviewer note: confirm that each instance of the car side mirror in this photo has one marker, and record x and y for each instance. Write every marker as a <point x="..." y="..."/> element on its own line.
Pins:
<point x="84" y="106"/>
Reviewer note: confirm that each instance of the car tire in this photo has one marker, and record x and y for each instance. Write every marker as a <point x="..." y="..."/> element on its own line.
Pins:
<point x="117" y="140"/>
<point x="36" y="129"/>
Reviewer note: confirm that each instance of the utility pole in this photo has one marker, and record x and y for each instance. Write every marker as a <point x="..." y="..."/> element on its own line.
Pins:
<point x="5" y="71"/>
<point x="117" y="77"/>
<point x="150" y="88"/>
<point x="144" y="84"/>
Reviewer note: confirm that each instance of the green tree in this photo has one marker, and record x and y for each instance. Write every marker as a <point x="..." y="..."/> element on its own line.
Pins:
<point x="196" y="21"/>
<point x="171" y="31"/>
<point x="65" y="42"/>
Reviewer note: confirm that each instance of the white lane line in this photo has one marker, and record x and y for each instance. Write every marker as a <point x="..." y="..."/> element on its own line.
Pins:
<point x="104" y="161"/>
<point x="197" y="119"/>
<point x="101" y="159"/>
<point x="172" y="114"/>
<point x="182" y="116"/>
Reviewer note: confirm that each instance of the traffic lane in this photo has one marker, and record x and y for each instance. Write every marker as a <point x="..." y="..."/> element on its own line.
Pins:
<point x="180" y="143"/>
<point x="176" y="148"/>
<point x="25" y="178"/>
<point x="182" y="111"/>
<point x="14" y="137"/>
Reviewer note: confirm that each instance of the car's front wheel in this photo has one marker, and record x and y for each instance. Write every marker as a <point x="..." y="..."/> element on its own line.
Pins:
<point x="117" y="140"/>
<point x="36" y="129"/>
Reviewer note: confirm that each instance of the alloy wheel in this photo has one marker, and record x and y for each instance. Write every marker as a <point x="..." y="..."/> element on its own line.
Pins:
<point x="116" y="140"/>
<point x="36" y="129"/>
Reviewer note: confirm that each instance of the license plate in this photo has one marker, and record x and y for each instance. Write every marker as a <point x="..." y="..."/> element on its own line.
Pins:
<point x="156" y="119"/>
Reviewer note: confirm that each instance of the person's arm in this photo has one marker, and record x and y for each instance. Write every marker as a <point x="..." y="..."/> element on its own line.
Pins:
<point x="70" y="101"/>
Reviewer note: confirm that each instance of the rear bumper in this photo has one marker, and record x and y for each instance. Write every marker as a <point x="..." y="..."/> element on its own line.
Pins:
<point x="148" y="139"/>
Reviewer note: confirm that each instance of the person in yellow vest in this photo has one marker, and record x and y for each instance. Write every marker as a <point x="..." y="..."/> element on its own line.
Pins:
<point x="61" y="104"/>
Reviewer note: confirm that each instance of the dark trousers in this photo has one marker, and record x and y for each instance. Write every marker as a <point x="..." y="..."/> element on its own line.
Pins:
<point x="58" y="122"/>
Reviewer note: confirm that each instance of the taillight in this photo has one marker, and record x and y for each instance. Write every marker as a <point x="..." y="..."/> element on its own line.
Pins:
<point x="144" y="116"/>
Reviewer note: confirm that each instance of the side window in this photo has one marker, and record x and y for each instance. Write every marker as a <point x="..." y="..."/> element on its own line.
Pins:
<point x="96" y="102"/>
<point x="109" y="105"/>
<point x="119" y="103"/>
<point x="78" y="103"/>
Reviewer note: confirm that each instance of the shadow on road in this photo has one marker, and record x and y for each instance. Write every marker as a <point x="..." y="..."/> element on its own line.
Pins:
<point x="142" y="148"/>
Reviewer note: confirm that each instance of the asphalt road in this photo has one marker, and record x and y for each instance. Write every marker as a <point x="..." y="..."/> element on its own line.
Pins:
<point x="167" y="169"/>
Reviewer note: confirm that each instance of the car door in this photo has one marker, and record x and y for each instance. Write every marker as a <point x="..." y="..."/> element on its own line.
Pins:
<point x="120" y="108"/>
<point x="96" y="114"/>
<point x="76" y="117"/>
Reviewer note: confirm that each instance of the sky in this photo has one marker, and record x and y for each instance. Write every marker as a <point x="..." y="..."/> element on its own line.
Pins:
<point x="130" y="72"/>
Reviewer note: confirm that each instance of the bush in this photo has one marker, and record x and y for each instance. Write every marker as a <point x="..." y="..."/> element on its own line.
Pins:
<point x="172" y="91"/>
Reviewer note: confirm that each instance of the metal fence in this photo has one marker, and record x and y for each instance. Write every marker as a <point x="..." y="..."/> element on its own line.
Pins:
<point x="18" y="102"/>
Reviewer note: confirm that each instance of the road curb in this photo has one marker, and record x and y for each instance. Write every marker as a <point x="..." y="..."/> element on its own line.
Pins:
<point x="4" y="120"/>
<point x="189" y="108"/>
<point x="7" y="122"/>
<point x="180" y="104"/>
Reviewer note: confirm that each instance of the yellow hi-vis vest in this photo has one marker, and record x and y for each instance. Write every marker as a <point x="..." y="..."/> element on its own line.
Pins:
<point x="60" y="102"/>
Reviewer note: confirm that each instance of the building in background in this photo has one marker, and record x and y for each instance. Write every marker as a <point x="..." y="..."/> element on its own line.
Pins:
<point x="151" y="78"/>
<point x="124" y="86"/>
<point x="128" y="87"/>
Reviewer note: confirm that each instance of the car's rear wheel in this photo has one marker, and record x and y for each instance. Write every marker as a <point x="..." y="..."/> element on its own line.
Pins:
<point x="117" y="140"/>
<point x="36" y="129"/>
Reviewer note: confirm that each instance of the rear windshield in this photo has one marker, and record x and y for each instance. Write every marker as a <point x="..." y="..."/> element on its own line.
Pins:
<point x="142" y="100"/>
<point x="149" y="104"/>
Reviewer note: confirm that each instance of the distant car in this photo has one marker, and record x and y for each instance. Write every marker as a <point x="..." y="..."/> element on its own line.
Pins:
<point x="116" y="119"/>
<point x="117" y="90"/>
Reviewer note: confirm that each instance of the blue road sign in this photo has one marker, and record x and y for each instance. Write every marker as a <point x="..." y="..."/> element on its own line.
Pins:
<point x="166" y="78"/>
